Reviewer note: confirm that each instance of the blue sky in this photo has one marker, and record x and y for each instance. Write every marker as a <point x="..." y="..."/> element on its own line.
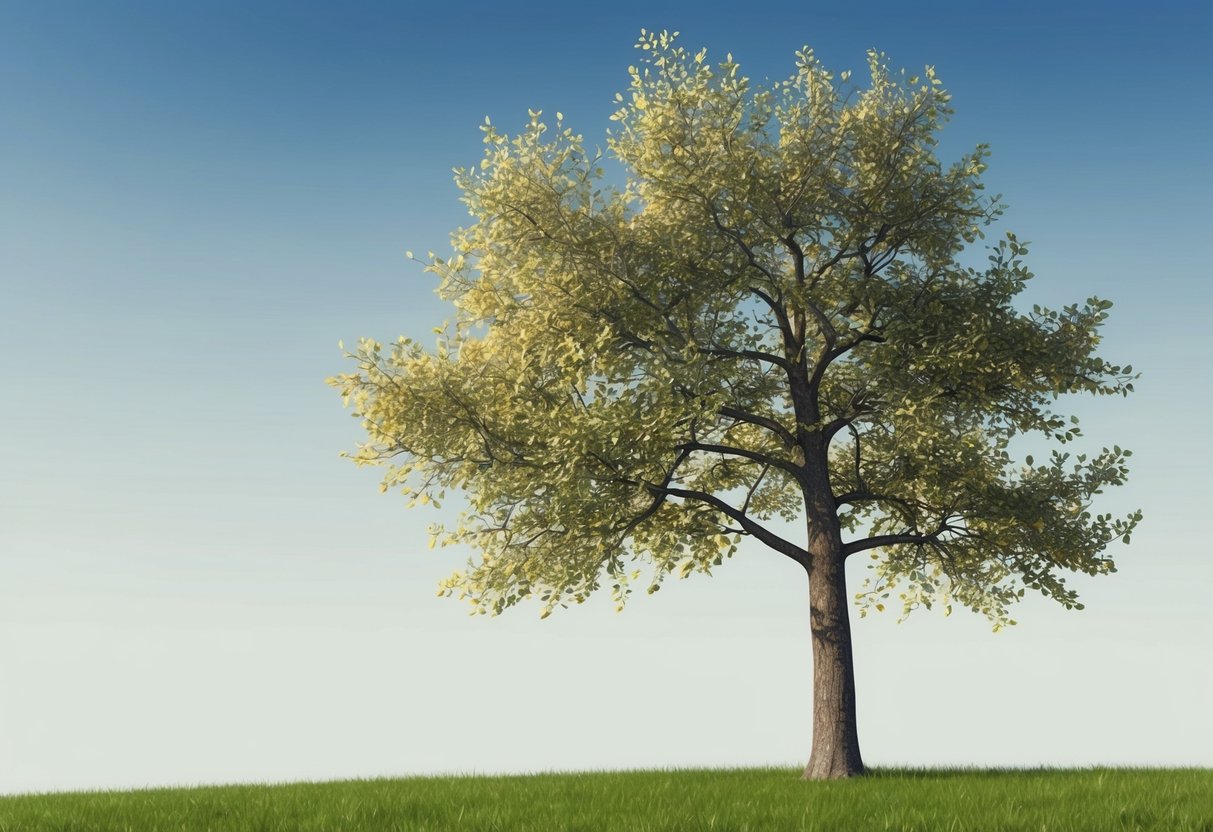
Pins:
<point x="197" y="200"/>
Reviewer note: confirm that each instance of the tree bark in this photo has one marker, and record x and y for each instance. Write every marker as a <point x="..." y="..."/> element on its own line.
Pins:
<point x="835" y="751"/>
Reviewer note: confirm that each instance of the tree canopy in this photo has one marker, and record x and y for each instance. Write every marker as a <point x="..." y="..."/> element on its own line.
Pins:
<point x="764" y="312"/>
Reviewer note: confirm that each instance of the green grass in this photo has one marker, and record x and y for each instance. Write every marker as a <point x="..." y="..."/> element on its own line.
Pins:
<point x="1044" y="800"/>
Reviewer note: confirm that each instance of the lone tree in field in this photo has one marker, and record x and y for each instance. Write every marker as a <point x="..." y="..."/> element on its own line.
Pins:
<point x="768" y="321"/>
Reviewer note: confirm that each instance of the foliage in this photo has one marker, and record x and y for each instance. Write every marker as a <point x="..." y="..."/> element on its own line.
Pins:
<point x="771" y="311"/>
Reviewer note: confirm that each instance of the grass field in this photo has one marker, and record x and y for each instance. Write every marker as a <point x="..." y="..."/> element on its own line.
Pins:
<point x="1101" y="800"/>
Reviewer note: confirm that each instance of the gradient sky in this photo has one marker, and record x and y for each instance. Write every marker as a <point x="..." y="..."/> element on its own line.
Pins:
<point x="197" y="200"/>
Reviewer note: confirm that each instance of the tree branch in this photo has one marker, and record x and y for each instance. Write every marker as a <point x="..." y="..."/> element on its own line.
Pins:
<point x="791" y="346"/>
<point x="791" y="467"/>
<point x="836" y="425"/>
<point x="757" y="530"/>
<point x="735" y="235"/>
<point x="832" y="353"/>
<point x="785" y="435"/>
<point x="755" y="355"/>
<point x="754" y="488"/>
<point x="891" y="540"/>
<point x="852" y="497"/>
<point x="658" y="498"/>
<point x="858" y="473"/>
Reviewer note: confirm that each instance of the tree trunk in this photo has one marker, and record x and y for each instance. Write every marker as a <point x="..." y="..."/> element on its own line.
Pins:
<point x="835" y="735"/>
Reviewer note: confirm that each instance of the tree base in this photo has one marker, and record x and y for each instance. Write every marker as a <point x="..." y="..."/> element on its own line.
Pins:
<point x="839" y="770"/>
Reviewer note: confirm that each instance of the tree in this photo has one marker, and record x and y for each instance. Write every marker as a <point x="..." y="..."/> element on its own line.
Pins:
<point x="769" y="322"/>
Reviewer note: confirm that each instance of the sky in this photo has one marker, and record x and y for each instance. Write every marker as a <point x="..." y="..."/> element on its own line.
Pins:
<point x="198" y="200"/>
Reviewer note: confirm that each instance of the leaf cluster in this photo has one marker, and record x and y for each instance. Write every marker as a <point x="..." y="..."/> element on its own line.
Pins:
<point x="769" y="317"/>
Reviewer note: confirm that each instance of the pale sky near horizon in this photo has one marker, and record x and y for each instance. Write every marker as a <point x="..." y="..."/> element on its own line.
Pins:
<point x="198" y="200"/>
